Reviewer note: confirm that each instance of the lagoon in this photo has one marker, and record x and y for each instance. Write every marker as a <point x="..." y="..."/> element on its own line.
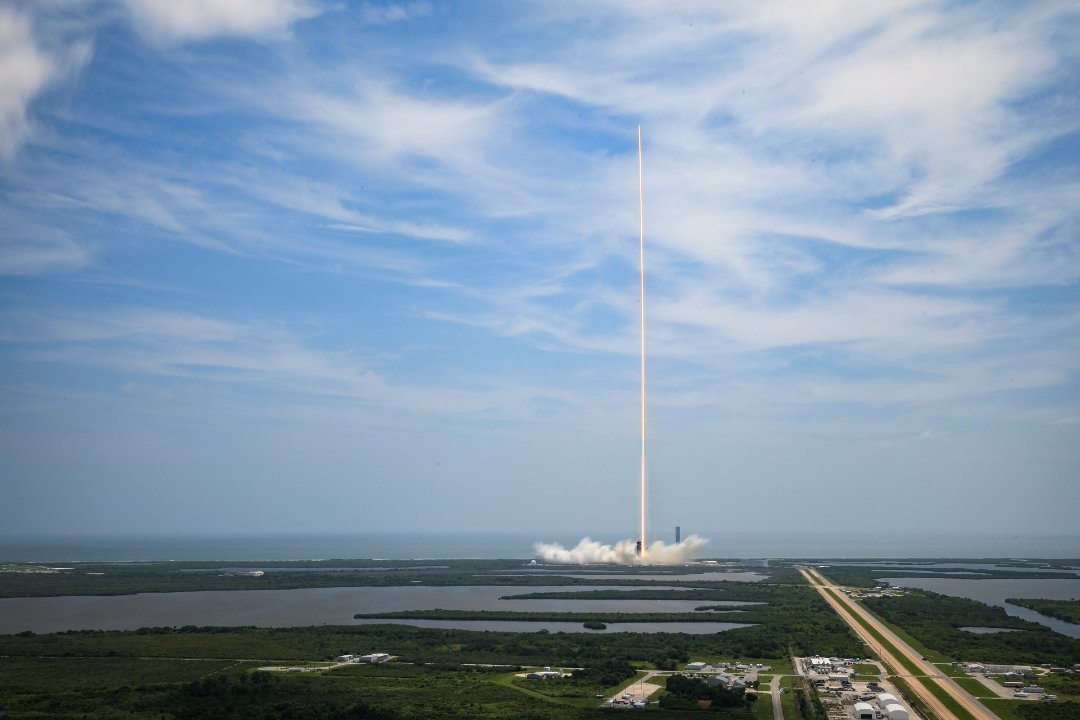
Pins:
<point x="299" y="607"/>
<point x="995" y="592"/>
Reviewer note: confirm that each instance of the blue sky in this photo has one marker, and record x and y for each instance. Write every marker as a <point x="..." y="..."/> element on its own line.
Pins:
<point x="290" y="265"/>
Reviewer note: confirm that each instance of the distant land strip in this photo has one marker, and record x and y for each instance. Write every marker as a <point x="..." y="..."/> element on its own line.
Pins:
<point x="576" y="617"/>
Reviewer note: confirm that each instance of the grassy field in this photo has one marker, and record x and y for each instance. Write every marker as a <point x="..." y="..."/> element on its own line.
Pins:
<point x="974" y="687"/>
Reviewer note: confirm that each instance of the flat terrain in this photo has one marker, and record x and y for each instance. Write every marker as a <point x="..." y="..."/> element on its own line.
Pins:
<point x="194" y="672"/>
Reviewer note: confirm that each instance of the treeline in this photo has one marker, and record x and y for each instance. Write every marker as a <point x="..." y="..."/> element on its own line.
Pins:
<point x="689" y="693"/>
<point x="423" y="645"/>
<point x="126" y="579"/>
<point x="935" y="621"/>
<point x="547" y="616"/>
<point x="1048" y="710"/>
<point x="385" y="692"/>
<point x="130" y="578"/>
<point x="261" y="696"/>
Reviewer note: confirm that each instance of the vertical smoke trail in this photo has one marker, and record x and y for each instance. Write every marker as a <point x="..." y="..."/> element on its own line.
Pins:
<point x="627" y="552"/>
<point x="642" y="545"/>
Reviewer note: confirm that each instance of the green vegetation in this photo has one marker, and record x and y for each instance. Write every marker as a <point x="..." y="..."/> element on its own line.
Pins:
<point x="1048" y="710"/>
<point x="934" y="621"/>
<point x="948" y="700"/>
<point x="912" y="700"/>
<point x="594" y="625"/>
<point x="1067" y="610"/>
<point x="687" y="693"/>
<point x="807" y="704"/>
<point x="762" y="708"/>
<point x="24" y="580"/>
<point x="1033" y="709"/>
<point x="906" y="664"/>
<point x="787" y="698"/>
<point x="385" y="692"/>
<point x="868" y="576"/>
<point x="583" y="684"/>
<point x="127" y="578"/>
<point x="974" y="687"/>
<point x="196" y="672"/>
<point x="545" y="616"/>
<point x="786" y="618"/>
<point x="140" y="674"/>
<point x="1066" y="687"/>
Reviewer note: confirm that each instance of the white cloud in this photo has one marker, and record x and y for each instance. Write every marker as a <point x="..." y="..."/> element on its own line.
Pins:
<point x="385" y="14"/>
<point x="375" y="121"/>
<point x="27" y="68"/>
<point x="167" y="22"/>
<point x="29" y="250"/>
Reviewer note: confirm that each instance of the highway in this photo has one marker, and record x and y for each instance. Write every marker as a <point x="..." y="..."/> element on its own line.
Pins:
<point x="848" y="609"/>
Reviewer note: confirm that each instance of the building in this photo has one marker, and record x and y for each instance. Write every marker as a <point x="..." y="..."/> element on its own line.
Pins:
<point x="895" y="711"/>
<point x="864" y="711"/>
<point x="545" y="674"/>
<point x="373" y="658"/>
<point x="884" y="699"/>
<point x="722" y="680"/>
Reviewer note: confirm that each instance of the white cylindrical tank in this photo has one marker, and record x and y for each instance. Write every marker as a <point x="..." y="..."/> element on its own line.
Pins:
<point x="886" y="699"/>
<point x="864" y="711"/>
<point x="895" y="711"/>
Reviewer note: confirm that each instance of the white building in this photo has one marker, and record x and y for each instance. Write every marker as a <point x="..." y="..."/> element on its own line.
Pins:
<point x="864" y="711"/>
<point x="373" y="658"/>
<point x="895" y="711"/>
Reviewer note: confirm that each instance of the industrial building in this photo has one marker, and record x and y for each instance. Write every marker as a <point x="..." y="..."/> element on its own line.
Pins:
<point x="864" y="711"/>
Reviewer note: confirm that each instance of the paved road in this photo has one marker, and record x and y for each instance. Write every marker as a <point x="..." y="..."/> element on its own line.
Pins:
<point x="848" y="609"/>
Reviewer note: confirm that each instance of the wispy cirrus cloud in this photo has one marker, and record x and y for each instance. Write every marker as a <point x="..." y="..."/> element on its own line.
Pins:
<point x="166" y="23"/>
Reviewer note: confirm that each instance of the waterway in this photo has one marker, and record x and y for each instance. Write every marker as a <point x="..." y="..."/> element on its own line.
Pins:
<point x="995" y="592"/>
<point x="319" y="606"/>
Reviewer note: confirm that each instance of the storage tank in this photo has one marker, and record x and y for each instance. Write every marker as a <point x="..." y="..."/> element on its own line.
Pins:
<point x="864" y="711"/>
<point x="884" y="699"/>
<point x="895" y="711"/>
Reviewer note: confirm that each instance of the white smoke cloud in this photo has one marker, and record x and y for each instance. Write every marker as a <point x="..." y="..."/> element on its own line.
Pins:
<point x="624" y="552"/>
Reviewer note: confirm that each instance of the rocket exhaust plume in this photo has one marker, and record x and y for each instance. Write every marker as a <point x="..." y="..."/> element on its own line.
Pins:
<point x="629" y="552"/>
<point x="624" y="552"/>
